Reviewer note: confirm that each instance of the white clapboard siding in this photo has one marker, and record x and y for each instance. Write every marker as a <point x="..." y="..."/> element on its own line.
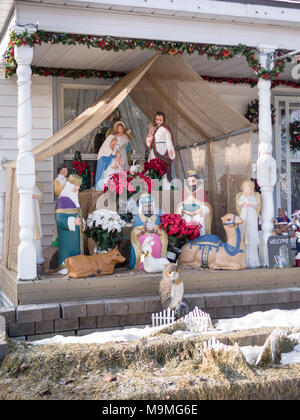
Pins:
<point x="42" y="128"/>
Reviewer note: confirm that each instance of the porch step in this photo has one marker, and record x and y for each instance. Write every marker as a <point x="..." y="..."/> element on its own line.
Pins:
<point x="125" y="283"/>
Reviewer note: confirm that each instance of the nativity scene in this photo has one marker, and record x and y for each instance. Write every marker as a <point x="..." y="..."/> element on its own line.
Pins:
<point x="135" y="173"/>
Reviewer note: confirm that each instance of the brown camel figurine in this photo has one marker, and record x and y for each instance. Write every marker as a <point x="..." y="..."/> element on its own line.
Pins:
<point x="210" y="251"/>
<point x="82" y="266"/>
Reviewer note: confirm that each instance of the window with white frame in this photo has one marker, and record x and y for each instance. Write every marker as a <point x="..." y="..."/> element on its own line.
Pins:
<point x="288" y="159"/>
<point x="75" y="98"/>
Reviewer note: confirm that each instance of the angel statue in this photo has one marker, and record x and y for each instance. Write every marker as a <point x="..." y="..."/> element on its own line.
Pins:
<point x="248" y="205"/>
<point x="124" y="141"/>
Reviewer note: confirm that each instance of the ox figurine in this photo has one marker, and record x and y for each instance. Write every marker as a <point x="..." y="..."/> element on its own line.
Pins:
<point x="82" y="266"/>
<point x="210" y="251"/>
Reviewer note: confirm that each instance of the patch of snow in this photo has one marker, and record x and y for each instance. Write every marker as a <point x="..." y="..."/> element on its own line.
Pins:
<point x="272" y="318"/>
<point x="292" y="357"/>
<point x="101" y="337"/>
<point x="251" y="353"/>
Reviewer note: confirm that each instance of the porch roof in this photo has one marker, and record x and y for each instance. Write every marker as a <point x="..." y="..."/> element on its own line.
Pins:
<point x="81" y="57"/>
<point x="214" y="22"/>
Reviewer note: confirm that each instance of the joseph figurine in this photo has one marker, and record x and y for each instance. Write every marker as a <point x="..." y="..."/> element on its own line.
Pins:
<point x="160" y="142"/>
<point x="69" y="222"/>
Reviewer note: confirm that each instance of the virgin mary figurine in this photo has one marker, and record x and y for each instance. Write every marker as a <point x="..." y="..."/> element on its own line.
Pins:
<point x="109" y="160"/>
<point x="105" y="159"/>
<point x="248" y="204"/>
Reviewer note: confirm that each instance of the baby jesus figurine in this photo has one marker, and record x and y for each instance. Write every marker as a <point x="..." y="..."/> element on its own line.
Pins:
<point x="115" y="167"/>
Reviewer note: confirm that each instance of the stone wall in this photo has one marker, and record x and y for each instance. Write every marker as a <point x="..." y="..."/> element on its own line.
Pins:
<point x="32" y="322"/>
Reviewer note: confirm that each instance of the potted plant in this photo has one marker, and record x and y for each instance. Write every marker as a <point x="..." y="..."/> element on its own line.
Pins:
<point x="179" y="233"/>
<point x="155" y="169"/>
<point x="104" y="228"/>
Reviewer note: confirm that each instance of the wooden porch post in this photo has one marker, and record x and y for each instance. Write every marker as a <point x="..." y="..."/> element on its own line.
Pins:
<point x="25" y="170"/>
<point x="266" y="164"/>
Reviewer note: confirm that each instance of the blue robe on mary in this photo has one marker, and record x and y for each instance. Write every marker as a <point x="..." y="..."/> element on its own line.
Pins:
<point x="69" y="241"/>
<point x="102" y="164"/>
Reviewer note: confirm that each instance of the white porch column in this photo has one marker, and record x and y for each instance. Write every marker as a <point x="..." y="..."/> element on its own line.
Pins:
<point x="2" y="201"/>
<point x="266" y="164"/>
<point x="25" y="165"/>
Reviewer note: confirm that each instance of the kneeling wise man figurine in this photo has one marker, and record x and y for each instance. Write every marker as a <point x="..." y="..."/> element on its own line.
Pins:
<point x="69" y="222"/>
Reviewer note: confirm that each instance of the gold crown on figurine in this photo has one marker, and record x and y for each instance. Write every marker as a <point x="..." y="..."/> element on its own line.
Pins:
<point x="191" y="172"/>
<point x="75" y="179"/>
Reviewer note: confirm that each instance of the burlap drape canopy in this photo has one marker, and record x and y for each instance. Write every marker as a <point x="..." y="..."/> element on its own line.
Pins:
<point x="194" y="111"/>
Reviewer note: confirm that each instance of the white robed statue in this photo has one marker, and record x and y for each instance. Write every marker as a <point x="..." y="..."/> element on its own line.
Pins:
<point x="248" y="204"/>
<point x="124" y="142"/>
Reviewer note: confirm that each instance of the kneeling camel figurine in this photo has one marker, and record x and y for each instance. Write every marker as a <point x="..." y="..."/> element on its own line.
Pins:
<point x="210" y="251"/>
<point x="82" y="266"/>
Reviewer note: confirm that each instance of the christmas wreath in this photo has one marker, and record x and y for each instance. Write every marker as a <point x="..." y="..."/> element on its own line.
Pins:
<point x="295" y="136"/>
<point x="252" y="113"/>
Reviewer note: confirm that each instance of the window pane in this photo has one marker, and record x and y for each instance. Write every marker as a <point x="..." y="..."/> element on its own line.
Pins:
<point x="75" y="102"/>
<point x="283" y="175"/>
<point x="295" y="185"/>
<point x="295" y="116"/>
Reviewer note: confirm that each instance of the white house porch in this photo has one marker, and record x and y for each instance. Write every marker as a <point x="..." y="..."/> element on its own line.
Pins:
<point x="72" y="57"/>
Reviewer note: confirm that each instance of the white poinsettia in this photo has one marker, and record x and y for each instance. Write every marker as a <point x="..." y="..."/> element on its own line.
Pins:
<point x="105" y="219"/>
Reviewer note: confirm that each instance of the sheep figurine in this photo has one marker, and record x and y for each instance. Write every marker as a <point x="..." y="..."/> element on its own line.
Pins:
<point x="151" y="264"/>
<point x="134" y="168"/>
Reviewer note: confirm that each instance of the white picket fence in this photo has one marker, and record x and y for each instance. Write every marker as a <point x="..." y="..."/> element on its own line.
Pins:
<point x="215" y="344"/>
<point x="166" y="317"/>
<point x="195" y="321"/>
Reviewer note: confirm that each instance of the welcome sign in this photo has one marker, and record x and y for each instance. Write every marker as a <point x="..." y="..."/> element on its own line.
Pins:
<point x="279" y="251"/>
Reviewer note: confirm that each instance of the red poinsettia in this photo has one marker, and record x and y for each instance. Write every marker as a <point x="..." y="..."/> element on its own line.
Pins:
<point x="119" y="183"/>
<point x="178" y="230"/>
<point x="155" y="169"/>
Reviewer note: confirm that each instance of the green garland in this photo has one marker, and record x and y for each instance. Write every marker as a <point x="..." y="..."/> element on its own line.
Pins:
<point x="76" y="74"/>
<point x="105" y="74"/>
<point x="107" y="43"/>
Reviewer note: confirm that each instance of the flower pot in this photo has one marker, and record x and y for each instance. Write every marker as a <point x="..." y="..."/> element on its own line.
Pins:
<point x="173" y="254"/>
<point x="98" y="250"/>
